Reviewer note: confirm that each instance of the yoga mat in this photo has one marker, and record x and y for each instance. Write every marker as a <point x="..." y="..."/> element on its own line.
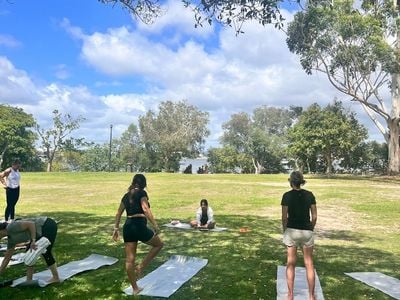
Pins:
<point x="300" y="285"/>
<point x="15" y="259"/>
<point x="3" y="247"/>
<point x="170" y="276"/>
<point x="70" y="269"/>
<point x="187" y="226"/>
<point x="382" y="282"/>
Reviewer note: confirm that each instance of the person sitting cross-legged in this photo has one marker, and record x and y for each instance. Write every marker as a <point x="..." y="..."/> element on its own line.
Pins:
<point x="204" y="216"/>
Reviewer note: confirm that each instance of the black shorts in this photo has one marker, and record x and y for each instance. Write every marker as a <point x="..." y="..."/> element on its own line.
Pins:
<point x="135" y="229"/>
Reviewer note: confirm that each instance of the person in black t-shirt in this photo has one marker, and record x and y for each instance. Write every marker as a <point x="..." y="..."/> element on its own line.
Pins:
<point x="297" y="204"/>
<point x="137" y="206"/>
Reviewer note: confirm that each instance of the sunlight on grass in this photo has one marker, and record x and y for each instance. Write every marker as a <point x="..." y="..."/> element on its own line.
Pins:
<point x="357" y="230"/>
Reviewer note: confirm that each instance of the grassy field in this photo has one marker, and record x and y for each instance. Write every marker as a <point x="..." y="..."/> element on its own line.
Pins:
<point x="358" y="229"/>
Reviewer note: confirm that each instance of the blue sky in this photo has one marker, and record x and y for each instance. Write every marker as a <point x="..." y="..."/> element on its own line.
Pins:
<point x="94" y="60"/>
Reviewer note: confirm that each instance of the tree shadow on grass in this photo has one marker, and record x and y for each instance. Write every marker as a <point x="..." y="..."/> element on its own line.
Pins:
<point x="240" y="265"/>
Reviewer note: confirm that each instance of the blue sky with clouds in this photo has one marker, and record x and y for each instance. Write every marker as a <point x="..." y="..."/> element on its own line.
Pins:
<point x="94" y="60"/>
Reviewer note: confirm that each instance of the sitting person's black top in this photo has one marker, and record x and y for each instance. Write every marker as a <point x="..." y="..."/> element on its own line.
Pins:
<point x="134" y="206"/>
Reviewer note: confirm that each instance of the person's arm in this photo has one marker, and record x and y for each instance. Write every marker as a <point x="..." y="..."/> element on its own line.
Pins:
<point x="7" y="257"/>
<point x="120" y="210"/>
<point x="149" y="215"/>
<point x="210" y="215"/>
<point x="313" y="215"/>
<point x="284" y="217"/>
<point x="198" y="216"/>
<point x="3" y="175"/>
<point x="29" y="225"/>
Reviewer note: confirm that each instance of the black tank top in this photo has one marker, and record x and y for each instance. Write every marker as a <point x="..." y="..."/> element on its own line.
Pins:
<point x="134" y="206"/>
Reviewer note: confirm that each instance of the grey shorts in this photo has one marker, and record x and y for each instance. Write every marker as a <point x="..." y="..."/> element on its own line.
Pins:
<point x="298" y="237"/>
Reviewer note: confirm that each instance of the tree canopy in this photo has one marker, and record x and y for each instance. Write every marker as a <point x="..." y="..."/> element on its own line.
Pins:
<point x="16" y="137"/>
<point x="54" y="138"/>
<point x="227" y="12"/>
<point x="357" y="47"/>
<point x="261" y="137"/>
<point x="177" y="130"/>
<point x="324" y="134"/>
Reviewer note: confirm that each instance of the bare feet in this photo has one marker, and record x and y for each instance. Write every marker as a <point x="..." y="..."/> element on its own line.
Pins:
<point x="289" y="297"/>
<point x="137" y="291"/>
<point x="53" y="280"/>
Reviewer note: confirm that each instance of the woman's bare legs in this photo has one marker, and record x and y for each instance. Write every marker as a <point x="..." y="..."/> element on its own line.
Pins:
<point x="130" y="252"/>
<point x="156" y="244"/>
<point x="54" y="272"/>
<point x="290" y="270"/>
<point x="29" y="273"/>
<point x="308" y="263"/>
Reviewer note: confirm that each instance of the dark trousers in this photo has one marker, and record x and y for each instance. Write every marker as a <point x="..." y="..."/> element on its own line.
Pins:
<point x="49" y="230"/>
<point x="12" y="196"/>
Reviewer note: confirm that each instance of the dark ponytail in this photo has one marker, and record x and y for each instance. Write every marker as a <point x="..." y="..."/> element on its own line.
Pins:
<point x="138" y="183"/>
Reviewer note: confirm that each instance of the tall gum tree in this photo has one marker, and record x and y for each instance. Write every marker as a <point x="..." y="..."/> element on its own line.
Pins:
<point x="357" y="47"/>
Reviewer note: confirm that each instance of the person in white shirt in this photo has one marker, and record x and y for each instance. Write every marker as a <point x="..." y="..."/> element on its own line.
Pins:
<point x="11" y="178"/>
<point x="204" y="216"/>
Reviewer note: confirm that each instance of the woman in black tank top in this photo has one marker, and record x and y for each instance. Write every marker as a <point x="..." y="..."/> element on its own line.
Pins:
<point x="136" y="204"/>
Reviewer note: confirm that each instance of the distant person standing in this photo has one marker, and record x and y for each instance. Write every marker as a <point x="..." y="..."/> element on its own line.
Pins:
<point x="11" y="178"/>
<point x="297" y="205"/>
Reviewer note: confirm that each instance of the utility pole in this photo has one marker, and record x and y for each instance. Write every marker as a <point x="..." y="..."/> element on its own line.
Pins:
<point x="109" y="153"/>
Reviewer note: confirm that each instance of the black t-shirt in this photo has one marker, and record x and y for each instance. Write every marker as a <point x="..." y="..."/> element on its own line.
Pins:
<point x="299" y="203"/>
<point x="134" y="206"/>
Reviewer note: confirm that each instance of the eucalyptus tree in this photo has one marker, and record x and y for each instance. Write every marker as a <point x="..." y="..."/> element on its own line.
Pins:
<point x="261" y="136"/>
<point x="53" y="139"/>
<point x="177" y="130"/>
<point x="356" y="45"/>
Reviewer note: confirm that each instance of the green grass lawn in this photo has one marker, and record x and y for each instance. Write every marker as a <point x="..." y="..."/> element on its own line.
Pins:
<point x="358" y="229"/>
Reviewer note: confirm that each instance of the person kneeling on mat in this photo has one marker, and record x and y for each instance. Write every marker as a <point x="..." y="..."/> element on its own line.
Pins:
<point x="30" y="230"/>
<point x="204" y="216"/>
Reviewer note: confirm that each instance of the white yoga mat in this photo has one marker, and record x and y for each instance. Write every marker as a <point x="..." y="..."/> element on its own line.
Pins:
<point x="382" y="282"/>
<point x="70" y="269"/>
<point x="3" y="247"/>
<point x="187" y="226"/>
<point x="300" y="284"/>
<point x="15" y="259"/>
<point x="170" y="276"/>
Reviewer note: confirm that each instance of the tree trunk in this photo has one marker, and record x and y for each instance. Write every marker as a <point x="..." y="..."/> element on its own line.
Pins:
<point x="393" y="123"/>
<point x="2" y="155"/>
<point x="394" y="147"/>
<point x="328" y="163"/>
<point x="50" y="160"/>
<point x="257" y="166"/>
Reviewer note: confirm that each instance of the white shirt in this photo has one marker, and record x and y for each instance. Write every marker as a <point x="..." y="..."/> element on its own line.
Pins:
<point x="13" y="179"/>
<point x="210" y="215"/>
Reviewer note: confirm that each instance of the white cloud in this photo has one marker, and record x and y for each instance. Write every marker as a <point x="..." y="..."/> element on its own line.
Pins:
<point x="9" y="41"/>
<point x="125" y="103"/>
<point x="15" y="85"/>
